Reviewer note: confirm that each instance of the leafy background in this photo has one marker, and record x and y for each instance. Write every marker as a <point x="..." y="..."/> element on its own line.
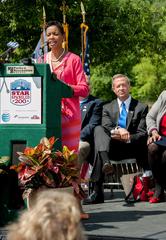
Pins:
<point x="126" y="36"/>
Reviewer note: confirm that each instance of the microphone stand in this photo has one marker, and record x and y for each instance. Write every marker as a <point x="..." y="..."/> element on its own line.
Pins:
<point x="5" y="56"/>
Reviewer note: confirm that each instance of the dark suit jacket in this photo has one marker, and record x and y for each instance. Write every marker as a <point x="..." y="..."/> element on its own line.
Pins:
<point x="118" y="150"/>
<point x="91" y="112"/>
<point x="136" y="119"/>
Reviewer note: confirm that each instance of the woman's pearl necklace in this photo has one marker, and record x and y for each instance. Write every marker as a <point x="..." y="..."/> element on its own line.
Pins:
<point x="56" y="60"/>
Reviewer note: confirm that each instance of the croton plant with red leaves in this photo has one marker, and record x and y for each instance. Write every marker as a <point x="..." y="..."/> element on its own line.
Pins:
<point x="42" y="166"/>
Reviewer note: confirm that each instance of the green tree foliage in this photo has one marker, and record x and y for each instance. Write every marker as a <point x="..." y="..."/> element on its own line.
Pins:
<point x="101" y="82"/>
<point x="150" y="78"/>
<point x="122" y="33"/>
<point x="126" y="36"/>
<point x="135" y="31"/>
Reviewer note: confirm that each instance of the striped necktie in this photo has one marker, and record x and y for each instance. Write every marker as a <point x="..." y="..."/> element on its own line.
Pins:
<point x="123" y="116"/>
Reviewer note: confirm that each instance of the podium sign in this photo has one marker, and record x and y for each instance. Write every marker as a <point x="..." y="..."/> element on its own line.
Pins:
<point x="30" y="105"/>
<point x="20" y="100"/>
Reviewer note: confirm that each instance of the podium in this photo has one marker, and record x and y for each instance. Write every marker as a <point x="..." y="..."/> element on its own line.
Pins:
<point x="30" y="107"/>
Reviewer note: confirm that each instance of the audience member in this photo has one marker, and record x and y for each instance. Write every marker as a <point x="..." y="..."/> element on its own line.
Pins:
<point x="122" y="134"/>
<point x="156" y="126"/>
<point x="54" y="216"/>
<point x="91" y="112"/>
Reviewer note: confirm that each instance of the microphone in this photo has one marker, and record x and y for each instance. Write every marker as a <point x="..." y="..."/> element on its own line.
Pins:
<point x="11" y="47"/>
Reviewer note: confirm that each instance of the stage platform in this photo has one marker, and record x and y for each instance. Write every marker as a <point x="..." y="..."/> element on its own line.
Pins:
<point x="116" y="220"/>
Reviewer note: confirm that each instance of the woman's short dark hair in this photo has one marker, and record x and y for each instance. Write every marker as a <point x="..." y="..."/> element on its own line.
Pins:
<point x="57" y="24"/>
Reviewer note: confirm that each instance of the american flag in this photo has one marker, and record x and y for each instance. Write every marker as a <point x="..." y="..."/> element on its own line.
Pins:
<point x="41" y="49"/>
<point x="87" y="58"/>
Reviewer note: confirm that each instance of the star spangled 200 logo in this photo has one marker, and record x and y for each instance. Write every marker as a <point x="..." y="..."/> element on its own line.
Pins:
<point x="20" y="92"/>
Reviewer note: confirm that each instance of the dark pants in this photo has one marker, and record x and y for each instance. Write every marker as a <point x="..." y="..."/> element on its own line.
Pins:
<point x="157" y="162"/>
<point x="10" y="192"/>
<point x="116" y="150"/>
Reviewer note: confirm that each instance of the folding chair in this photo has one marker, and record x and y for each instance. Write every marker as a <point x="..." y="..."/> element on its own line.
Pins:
<point x="121" y="167"/>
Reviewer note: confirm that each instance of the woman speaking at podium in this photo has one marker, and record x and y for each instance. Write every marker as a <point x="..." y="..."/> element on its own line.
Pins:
<point x="68" y="68"/>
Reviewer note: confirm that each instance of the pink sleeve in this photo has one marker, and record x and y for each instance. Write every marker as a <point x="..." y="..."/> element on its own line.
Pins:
<point x="81" y="87"/>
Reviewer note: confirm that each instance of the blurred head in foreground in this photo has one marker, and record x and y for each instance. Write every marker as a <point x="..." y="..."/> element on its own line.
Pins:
<point x="55" y="215"/>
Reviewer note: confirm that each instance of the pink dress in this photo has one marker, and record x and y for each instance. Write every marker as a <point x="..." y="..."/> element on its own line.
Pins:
<point x="71" y="72"/>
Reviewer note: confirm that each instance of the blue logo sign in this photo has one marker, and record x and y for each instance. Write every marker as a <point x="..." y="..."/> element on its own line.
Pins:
<point x="20" y="93"/>
<point x="5" y="117"/>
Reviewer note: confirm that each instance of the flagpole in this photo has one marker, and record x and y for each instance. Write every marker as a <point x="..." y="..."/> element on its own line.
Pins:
<point x="44" y="18"/>
<point x="41" y="48"/>
<point x="84" y="29"/>
<point x="64" y="9"/>
<point x="83" y="12"/>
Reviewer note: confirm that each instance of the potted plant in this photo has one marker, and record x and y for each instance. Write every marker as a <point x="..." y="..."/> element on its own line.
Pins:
<point x="43" y="166"/>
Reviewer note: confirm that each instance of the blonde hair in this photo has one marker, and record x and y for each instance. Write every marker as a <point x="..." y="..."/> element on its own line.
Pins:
<point x="55" y="215"/>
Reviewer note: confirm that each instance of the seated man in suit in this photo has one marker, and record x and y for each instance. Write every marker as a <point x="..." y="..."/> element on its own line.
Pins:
<point x="91" y="111"/>
<point x="122" y="134"/>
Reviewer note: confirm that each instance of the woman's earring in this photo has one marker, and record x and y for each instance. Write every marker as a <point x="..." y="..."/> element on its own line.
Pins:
<point x="64" y="44"/>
